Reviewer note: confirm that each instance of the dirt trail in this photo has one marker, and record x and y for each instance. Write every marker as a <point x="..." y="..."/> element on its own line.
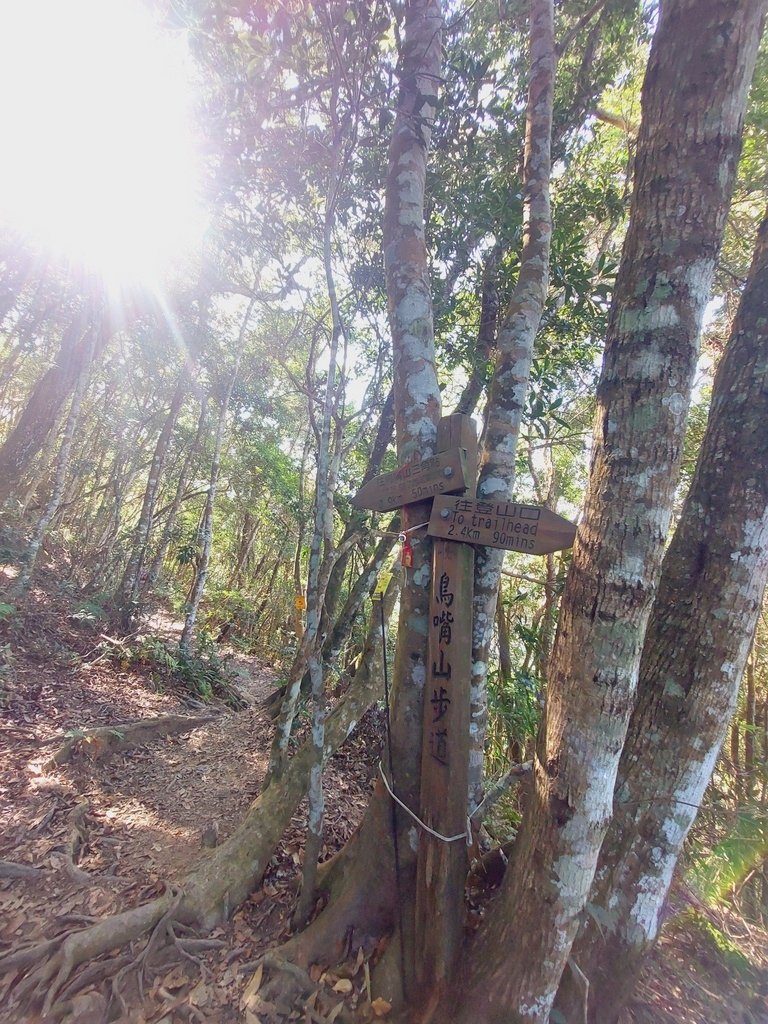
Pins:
<point x="141" y="818"/>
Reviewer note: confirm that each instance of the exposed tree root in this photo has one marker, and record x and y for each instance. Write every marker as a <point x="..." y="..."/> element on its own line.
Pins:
<point x="78" y="837"/>
<point x="217" y="885"/>
<point x="10" y="869"/>
<point x="58" y="958"/>
<point x="358" y="913"/>
<point x="104" y="740"/>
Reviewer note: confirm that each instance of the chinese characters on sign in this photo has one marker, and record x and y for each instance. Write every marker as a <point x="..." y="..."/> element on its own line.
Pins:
<point x="420" y="480"/>
<point x="441" y="628"/>
<point x="529" y="529"/>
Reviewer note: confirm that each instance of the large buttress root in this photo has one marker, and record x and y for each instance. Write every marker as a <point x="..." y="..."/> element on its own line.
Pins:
<point x="361" y="887"/>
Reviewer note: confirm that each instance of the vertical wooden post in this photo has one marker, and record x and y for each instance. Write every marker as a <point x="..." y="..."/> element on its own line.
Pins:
<point x="441" y="866"/>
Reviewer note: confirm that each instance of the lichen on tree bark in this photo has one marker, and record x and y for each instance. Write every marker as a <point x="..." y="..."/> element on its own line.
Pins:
<point x="689" y="142"/>
<point x="695" y="650"/>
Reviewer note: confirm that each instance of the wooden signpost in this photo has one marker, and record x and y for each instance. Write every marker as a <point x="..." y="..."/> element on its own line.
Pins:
<point x="443" y="473"/>
<point x="441" y="867"/>
<point x="458" y="521"/>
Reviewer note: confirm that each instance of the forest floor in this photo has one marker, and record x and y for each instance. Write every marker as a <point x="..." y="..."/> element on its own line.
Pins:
<point x="108" y="833"/>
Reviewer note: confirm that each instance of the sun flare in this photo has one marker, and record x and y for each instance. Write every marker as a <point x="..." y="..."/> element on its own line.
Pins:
<point x="99" y="163"/>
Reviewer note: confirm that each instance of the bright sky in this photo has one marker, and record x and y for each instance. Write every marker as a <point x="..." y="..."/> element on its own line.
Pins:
<point x="98" y="157"/>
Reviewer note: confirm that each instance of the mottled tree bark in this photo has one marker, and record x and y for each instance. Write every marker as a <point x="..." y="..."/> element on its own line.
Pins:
<point x="329" y="621"/>
<point x="249" y="530"/>
<point x="417" y="410"/>
<point x="749" y="730"/>
<point x="694" y="97"/>
<point x="335" y="629"/>
<point x="486" y="334"/>
<point x="697" y="643"/>
<point x="515" y="340"/>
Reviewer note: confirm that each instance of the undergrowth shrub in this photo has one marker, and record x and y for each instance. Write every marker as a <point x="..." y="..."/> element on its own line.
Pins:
<point x="202" y="672"/>
<point x="513" y="718"/>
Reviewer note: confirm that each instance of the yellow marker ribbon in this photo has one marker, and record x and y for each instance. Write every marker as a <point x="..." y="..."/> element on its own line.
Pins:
<point x="381" y="585"/>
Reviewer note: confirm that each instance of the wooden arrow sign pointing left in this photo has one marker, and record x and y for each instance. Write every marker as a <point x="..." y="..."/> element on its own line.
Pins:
<point x="444" y="473"/>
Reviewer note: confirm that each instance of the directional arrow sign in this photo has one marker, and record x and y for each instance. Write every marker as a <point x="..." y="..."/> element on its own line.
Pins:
<point x="528" y="529"/>
<point x="443" y="473"/>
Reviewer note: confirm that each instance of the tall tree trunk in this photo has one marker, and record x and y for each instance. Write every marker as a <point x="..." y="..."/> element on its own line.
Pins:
<point x="736" y="757"/>
<point x="698" y="639"/>
<point x="84" y="339"/>
<point x="321" y="542"/>
<point x="509" y="384"/>
<point x="107" y="518"/>
<point x="486" y="334"/>
<point x="248" y="533"/>
<point x="506" y="668"/>
<point x="330" y="624"/>
<point x="38" y="472"/>
<point x="318" y="581"/>
<point x="206" y="528"/>
<point x="359" y="590"/>
<point x="336" y="628"/>
<point x="417" y="410"/>
<point x="170" y="519"/>
<point x="269" y="589"/>
<point x="693" y="100"/>
<point x="60" y="475"/>
<point x="127" y="595"/>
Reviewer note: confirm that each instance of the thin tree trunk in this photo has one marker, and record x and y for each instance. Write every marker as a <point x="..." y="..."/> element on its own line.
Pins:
<point x="505" y="653"/>
<point x="206" y="528"/>
<point x="170" y="520"/>
<point x="546" y="495"/>
<point x="736" y="757"/>
<point x="39" y="470"/>
<point x="323" y="554"/>
<point x="750" y="764"/>
<point x="486" y="334"/>
<point x="359" y="590"/>
<point x="698" y="639"/>
<point x="335" y="628"/>
<point x="248" y="534"/>
<point x="127" y="595"/>
<point x="515" y="342"/>
<point x="298" y="550"/>
<point x="417" y="410"/>
<point x="322" y="542"/>
<point x="261" y="607"/>
<point x="332" y="645"/>
<point x="688" y="150"/>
